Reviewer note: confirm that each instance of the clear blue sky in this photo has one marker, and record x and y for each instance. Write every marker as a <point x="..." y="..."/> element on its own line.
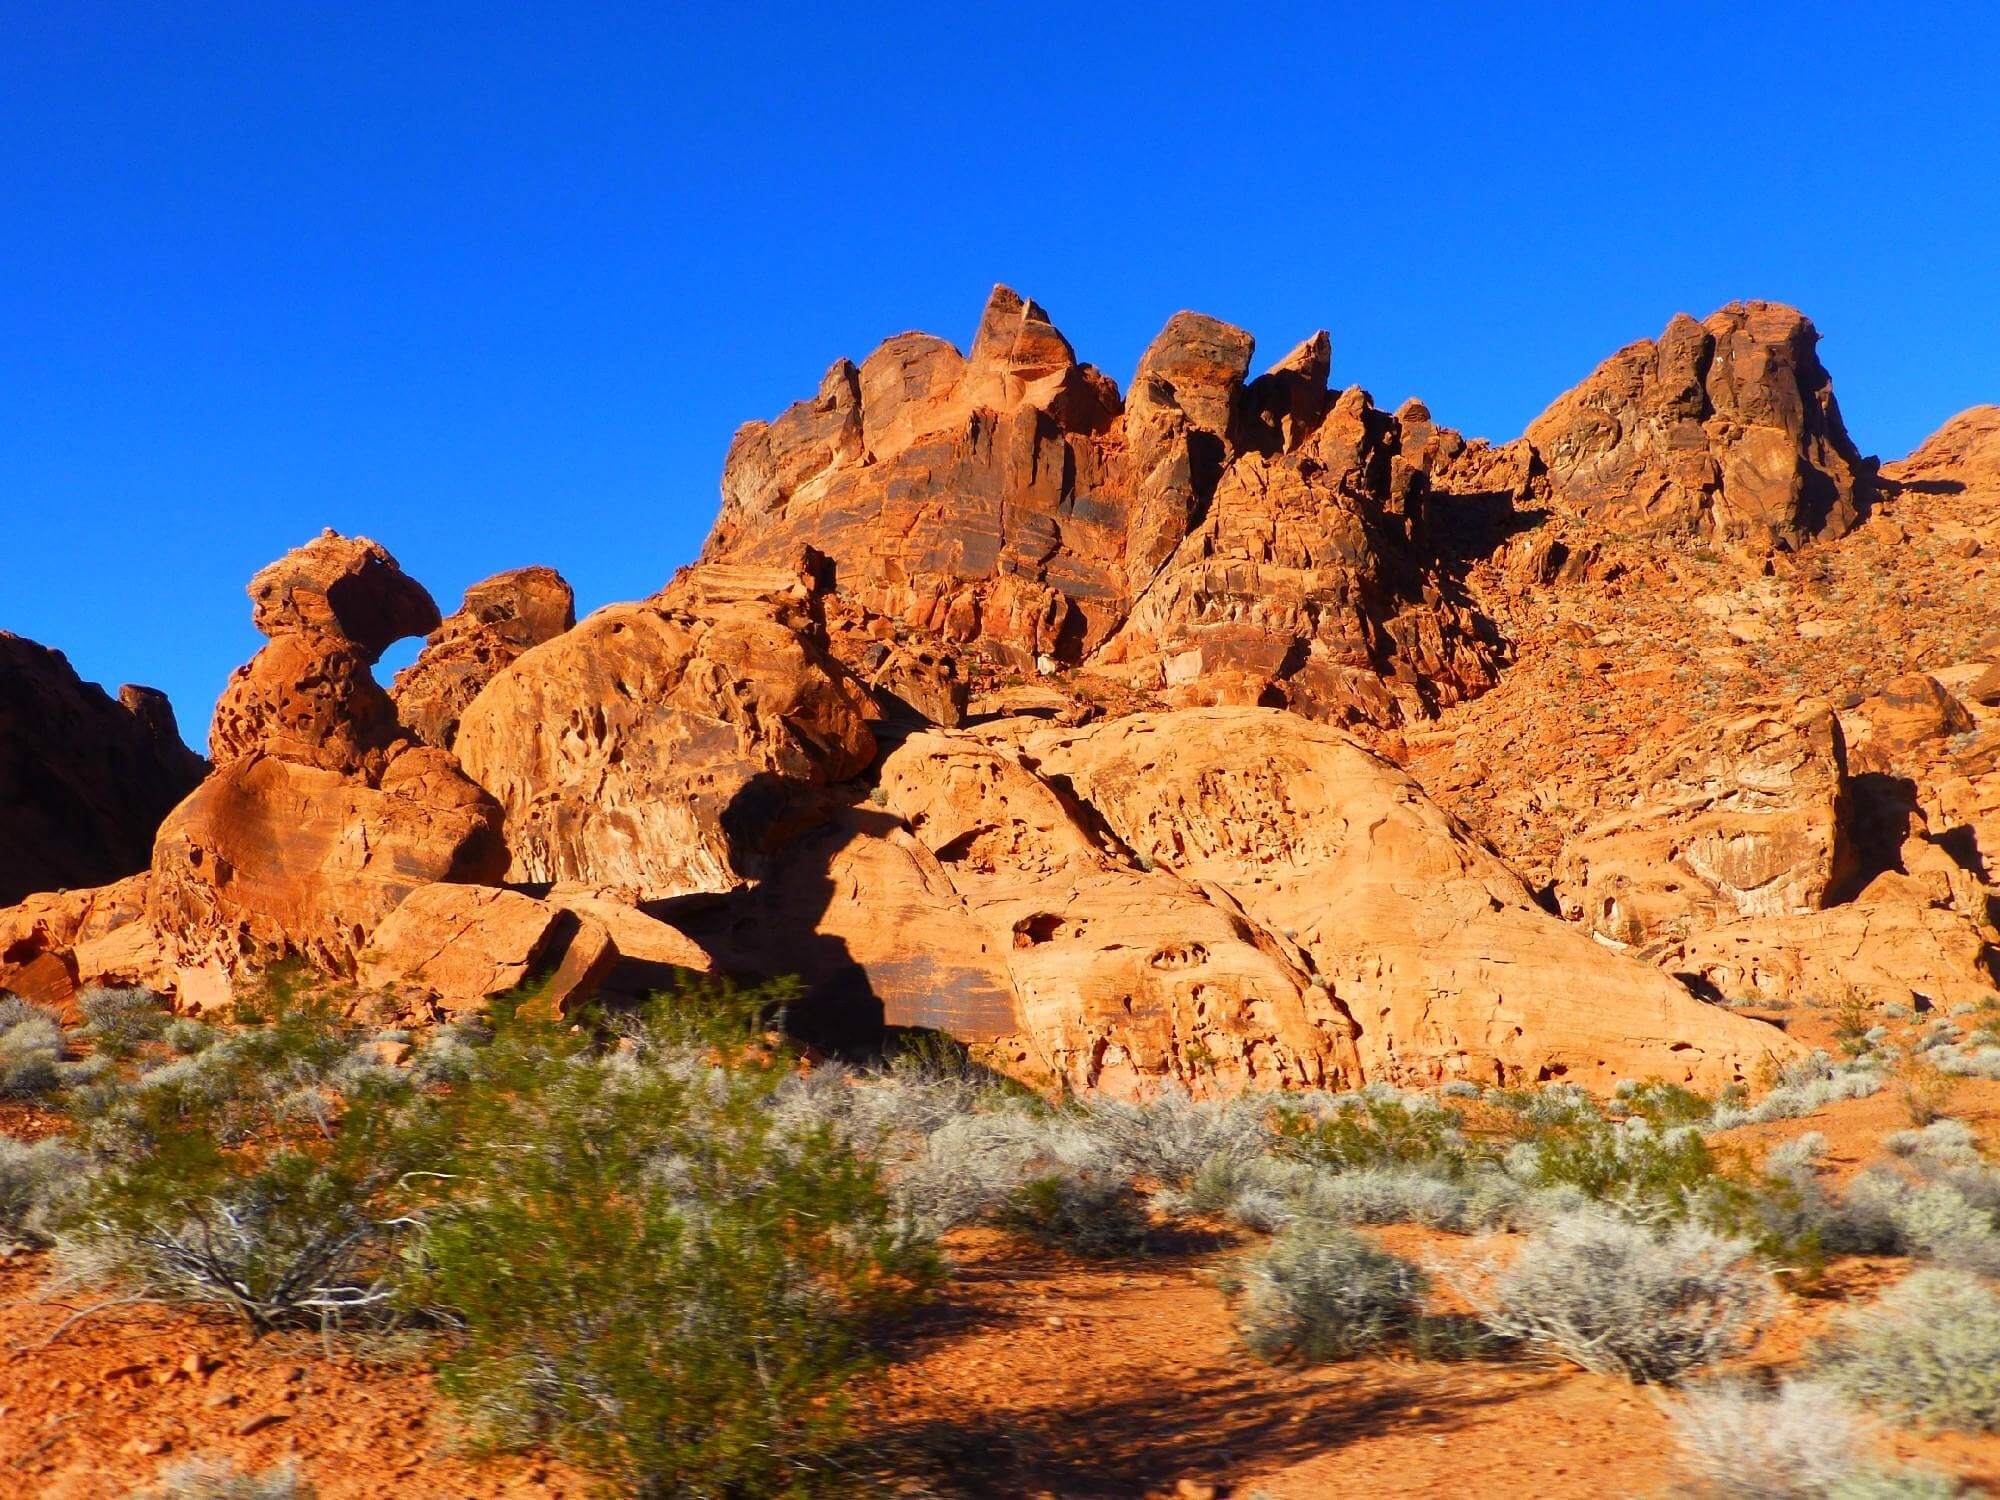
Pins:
<point x="494" y="283"/>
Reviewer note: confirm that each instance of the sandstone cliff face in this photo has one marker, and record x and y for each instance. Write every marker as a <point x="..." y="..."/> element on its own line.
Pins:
<point x="1213" y="537"/>
<point x="84" y="778"/>
<point x="656" y="745"/>
<point x="1726" y="428"/>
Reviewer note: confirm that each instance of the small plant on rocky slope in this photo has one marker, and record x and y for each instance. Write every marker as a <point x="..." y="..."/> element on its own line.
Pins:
<point x="1799" y="1442"/>
<point x="1081" y="1211"/>
<point x="1319" y="1293"/>
<point x="1928" y="1351"/>
<point x="33" y="1180"/>
<point x="1616" y="1297"/>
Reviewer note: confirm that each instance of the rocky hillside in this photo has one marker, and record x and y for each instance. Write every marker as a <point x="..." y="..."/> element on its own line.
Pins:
<point x="1228" y="730"/>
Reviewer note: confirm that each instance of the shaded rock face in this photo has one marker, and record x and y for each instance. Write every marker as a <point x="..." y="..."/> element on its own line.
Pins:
<point x="85" y="778"/>
<point x="1255" y="535"/>
<point x="657" y="746"/>
<point x="1726" y="428"/>
<point x="500" y="618"/>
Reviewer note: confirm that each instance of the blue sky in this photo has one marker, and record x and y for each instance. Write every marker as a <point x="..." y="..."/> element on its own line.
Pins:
<point x="494" y="283"/>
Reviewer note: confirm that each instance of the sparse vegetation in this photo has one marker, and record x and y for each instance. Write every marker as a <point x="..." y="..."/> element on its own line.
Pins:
<point x="1927" y="1351"/>
<point x="218" y="1479"/>
<point x="1319" y="1293"/>
<point x="1616" y="1297"/>
<point x="1798" y="1442"/>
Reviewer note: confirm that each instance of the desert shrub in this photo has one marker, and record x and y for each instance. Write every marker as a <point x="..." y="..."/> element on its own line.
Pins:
<point x="1378" y="1127"/>
<point x="120" y="1021"/>
<point x="1553" y="1105"/>
<point x="1662" y="1105"/>
<point x="1811" y="1084"/>
<point x="31" y="1050"/>
<point x="1799" y="1442"/>
<point x="1083" y="1212"/>
<point x="1168" y="1139"/>
<point x="1387" y="1195"/>
<point x="239" y="1176"/>
<point x="1928" y="1350"/>
<point x="1948" y="1214"/>
<point x="648" y="1271"/>
<point x="218" y="1479"/>
<point x="1319" y="1293"/>
<point x="34" y="1179"/>
<point x="1982" y="1061"/>
<point x="1614" y="1296"/>
<point x="1258" y="1192"/>
<point x="967" y="1168"/>
<point x="1925" y="1090"/>
<point x="1943" y="1142"/>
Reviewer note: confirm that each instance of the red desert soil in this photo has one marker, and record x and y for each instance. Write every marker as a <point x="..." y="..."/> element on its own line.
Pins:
<point x="1036" y="1374"/>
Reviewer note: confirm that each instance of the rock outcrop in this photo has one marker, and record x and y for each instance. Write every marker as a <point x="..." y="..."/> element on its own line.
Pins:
<point x="659" y="746"/>
<point x="1743" y="817"/>
<point x="1232" y="540"/>
<point x="500" y="618"/>
<point x="1962" y="454"/>
<point x="1725" y="429"/>
<point x="85" y="778"/>
<point x="322" y="813"/>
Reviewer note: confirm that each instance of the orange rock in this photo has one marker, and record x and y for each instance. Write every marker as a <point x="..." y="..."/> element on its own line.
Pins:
<point x="310" y="699"/>
<point x="269" y="858"/>
<point x="501" y="617"/>
<point x="1726" y="428"/>
<point x="458" y="946"/>
<point x="1737" y="818"/>
<point x="660" y="745"/>
<point x="346" y="587"/>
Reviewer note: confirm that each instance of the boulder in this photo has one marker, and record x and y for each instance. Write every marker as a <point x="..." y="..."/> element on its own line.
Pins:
<point x="1726" y="428"/>
<point x="310" y="699"/>
<point x="658" y="746"/>
<point x="269" y="858"/>
<point x="1743" y="817"/>
<point x="454" y="948"/>
<point x="85" y="778"/>
<point x="55" y="946"/>
<point x="1962" y="454"/>
<point x="346" y="587"/>
<point x="500" y="618"/>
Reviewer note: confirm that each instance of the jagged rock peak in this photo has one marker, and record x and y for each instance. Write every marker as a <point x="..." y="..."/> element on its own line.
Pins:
<point x="1726" y="428"/>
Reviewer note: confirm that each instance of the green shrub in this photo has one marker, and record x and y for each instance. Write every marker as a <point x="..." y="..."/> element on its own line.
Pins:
<point x="1319" y="1294"/>
<point x="119" y="1022"/>
<point x="1081" y="1211"/>
<point x="650" y="1273"/>
<point x="33" y="1180"/>
<point x="1928" y="1350"/>
<point x="1374" y="1128"/>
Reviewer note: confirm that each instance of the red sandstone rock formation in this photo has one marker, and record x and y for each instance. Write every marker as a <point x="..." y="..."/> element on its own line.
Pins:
<point x="500" y="618"/>
<point x="84" y="778"/>
<point x="1726" y="428"/>
<point x="1220" y="538"/>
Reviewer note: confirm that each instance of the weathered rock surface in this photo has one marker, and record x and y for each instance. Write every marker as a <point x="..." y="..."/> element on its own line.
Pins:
<point x="1726" y="428"/>
<point x="54" y="946"/>
<point x="269" y="858"/>
<point x="310" y="699"/>
<point x="1736" y="818"/>
<point x="1962" y="454"/>
<point x="658" y="746"/>
<point x="346" y="587"/>
<point x="1434" y="947"/>
<point x="500" y="618"/>
<point x="1255" y="540"/>
<point x="84" y="778"/>
<point x="456" y="947"/>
